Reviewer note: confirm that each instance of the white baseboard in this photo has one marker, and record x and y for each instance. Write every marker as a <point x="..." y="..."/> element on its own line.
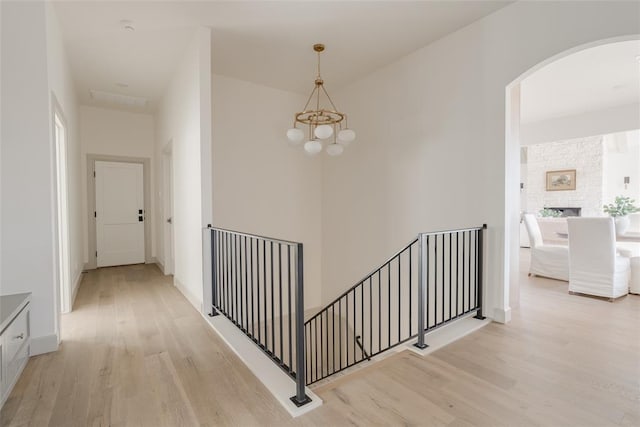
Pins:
<point x="195" y="301"/>
<point x="279" y="384"/>
<point x="502" y="315"/>
<point x="446" y="335"/>
<point x="43" y="344"/>
<point x="161" y="266"/>
<point x="74" y="292"/>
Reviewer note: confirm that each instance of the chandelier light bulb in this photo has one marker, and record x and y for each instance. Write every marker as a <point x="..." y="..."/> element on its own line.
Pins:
<point x="335" y="149"/>
<point x="346" y="135"/>
<point x="313" y="147"/>
<point x="295" y="136"/>
<point x="324" y="131"/>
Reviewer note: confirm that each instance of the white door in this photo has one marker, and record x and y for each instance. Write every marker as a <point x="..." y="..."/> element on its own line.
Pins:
<point x="119" y="213"/>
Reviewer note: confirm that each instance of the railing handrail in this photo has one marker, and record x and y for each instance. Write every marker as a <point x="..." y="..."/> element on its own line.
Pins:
<point x="391" y="258"/>
<point x="359" y="282"/>
<point x="459" y="230"/>
<point x="236" y="274"/>
<point x="455" y="267"/>
<point x="257" y="236"/>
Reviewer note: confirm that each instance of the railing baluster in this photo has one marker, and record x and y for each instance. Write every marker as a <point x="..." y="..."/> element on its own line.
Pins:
<point x="389" y="304"/>
<point x="362" y="314"/>
<point x="379" y="312"/>
<point x="264" y="282"/>
<point x="340" y="329"/>
<point x="289" y="304"/>
<point x="443" y="275"/>
<point x="410" y="291"/>
<point x="450" y="276"/>
<point x="321" y="345"/>
<point x="457" y="273"/>
<point x="399" y="300"/>
<point x="273" y="313"/>
<point x="370" y="315"/>
<point x="422" y="284"/>
<point x="214" y="278"/>
<point x="246" y="286"/>
<point x="435" y="280"/>
<point x="479" y="263"/>
<point x="280" y="299"/>
<point x="346" y="329"/>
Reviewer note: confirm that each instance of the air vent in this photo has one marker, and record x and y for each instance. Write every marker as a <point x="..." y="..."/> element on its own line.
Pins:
<point x="117" y="99"/>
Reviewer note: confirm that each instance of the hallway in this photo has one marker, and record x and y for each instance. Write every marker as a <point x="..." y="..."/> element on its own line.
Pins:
<point x="136" y="353"/>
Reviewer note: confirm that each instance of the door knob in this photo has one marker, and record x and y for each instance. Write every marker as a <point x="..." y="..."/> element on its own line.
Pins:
<point x="169" y="220"/>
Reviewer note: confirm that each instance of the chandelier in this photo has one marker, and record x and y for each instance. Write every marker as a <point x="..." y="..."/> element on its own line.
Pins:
<point x="323" y="123"/>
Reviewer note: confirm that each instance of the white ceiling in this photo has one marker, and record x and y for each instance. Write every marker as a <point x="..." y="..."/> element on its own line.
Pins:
<point x="267" y="42"/>
<point x="590" y="80"/>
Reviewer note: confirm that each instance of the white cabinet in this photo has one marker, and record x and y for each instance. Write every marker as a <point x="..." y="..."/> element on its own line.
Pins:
<point x="14" y="340"/>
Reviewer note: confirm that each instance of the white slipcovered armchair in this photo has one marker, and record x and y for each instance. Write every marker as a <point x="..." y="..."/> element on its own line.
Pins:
<point x="546" y="260"/>
<point x="595" y="266"/>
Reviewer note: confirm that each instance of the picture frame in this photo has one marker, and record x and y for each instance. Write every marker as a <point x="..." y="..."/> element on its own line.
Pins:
<point x="561" y="180"/>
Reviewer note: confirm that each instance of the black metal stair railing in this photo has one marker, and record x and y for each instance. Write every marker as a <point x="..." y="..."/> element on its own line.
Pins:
<point x="434" y="280"/>
<point x="257" y="283"/>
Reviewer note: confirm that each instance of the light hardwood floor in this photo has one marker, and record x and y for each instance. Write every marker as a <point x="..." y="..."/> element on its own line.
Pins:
<point x="135" y="353"/>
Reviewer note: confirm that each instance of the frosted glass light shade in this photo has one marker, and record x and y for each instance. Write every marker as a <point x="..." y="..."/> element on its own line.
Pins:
<point x="313" y="147"/>
<point x="323" y="131"/>
<point x="335" y="149"/>
<point x="295" y="136"/>
<point x="346" y="135"/>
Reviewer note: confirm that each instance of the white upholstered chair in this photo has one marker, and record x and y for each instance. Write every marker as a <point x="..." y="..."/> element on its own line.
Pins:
<point x="595" y="266"/>
<point x="631" y="250"/>
<point x="546" y="260"/>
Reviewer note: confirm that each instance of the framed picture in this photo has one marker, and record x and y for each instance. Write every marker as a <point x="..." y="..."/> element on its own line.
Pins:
<point x="561" y="180"/>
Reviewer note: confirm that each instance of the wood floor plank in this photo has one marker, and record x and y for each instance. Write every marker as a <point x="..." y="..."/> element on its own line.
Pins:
<point x="136" y="353"/>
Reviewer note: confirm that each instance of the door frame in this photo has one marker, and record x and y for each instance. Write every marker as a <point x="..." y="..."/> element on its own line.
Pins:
<point x="167" y="209"/>
<point x="92" y="263"/>
<point x="62" y="224"/>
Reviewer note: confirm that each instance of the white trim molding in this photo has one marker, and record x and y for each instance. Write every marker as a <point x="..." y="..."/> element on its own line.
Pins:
<point x="43" y="344"/>
<point x="279" y="384"/>
<point x="501" y="315"/>
<point x="188" y="295"/>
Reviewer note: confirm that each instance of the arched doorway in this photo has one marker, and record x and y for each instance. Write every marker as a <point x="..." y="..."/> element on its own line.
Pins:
<point x="512" y="164"/>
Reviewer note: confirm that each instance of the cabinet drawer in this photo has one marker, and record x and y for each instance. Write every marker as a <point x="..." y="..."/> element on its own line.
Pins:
<point x="16" y="334"/>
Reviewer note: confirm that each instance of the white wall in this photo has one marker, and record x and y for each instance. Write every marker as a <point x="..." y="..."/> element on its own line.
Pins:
<point x="431" y="150"/>
<point x="63" y="91"/>
<point x="33" y="65"/>
<point x="622" y="158"/>
<point x="261" y="184"/>
<point x="601" y="122"/>
<point x="116" y="133"/>
<point x="180" y="120"/>
<point x="586" y="156"/>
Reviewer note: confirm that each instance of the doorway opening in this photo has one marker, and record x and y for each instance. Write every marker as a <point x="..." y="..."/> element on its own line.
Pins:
<point x="62" y="207"/>
<point x="585" y="103"/>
